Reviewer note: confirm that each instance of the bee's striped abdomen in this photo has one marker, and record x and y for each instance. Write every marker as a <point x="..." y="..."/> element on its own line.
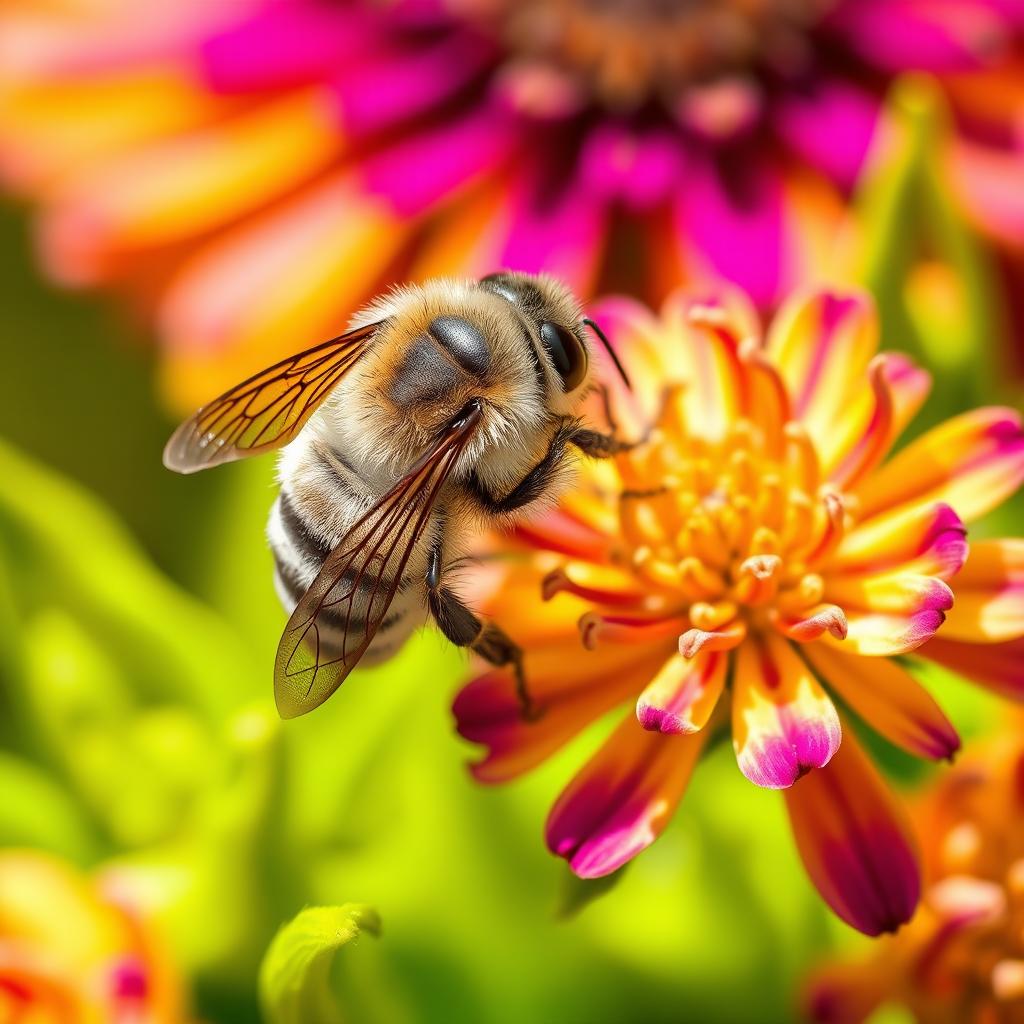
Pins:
<point x="300" y="545"/>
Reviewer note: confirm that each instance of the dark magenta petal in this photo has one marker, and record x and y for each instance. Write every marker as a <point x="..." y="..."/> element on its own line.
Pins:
<point x="621" y="800"/>
<point x="855" y="842"/>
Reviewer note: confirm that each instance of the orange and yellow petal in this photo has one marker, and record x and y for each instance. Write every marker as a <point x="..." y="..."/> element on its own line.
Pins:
<point x="684" y="693"/>
<point x="998" y="667"/>
<point x="972" y="462"/>
<point x="930" y="540"/>
<point x="783" y="723"/>
<point x="621" y="800"/>
<point x="889" y="698"/>
<point x="855" y="842"/>
<point x="989" y="604"/>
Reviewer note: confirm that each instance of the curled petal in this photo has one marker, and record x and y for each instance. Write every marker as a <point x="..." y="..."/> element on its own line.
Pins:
<point x="622" y="798"/>
<point x="826" y="618"/>
<point x="989" y="604"/>
<point x="874" y="439"/>
<point x="999" y="667"/>
<point x="972" y="462"/>
<point x="682" y="696"/>
<point x="783" y="722"/>
<point x="889" y="699"/>
<point x="695" y="640"/>
<point x="570" y="687"/>
<point x="926" y="539"/>
<point x="855" y="842"/>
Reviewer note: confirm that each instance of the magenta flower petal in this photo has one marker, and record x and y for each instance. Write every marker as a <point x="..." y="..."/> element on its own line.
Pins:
<point x="855" y="842"/>
<point x="622" y="798"/>
<point x="641" y="168"/>
<point x="286" y="45"/>
<point x="401" y="83"/>
<point x="445" y="158"/>
<point x="899" y="35"/>
<point x="784" y="724"/>
<point x="562" y="233"/>
<point x="732" y="214"/>
<point x="830" y="126"/>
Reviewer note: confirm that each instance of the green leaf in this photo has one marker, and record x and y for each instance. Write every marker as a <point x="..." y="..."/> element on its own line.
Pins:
<point x="293" y="983"/>
<point x="60" y="547"/>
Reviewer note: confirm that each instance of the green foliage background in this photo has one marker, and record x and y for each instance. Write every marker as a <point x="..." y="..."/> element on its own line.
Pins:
<point x="138" y="626"/>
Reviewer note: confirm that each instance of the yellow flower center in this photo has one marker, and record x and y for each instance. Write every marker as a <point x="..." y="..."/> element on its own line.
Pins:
<point x="726" y="533"/>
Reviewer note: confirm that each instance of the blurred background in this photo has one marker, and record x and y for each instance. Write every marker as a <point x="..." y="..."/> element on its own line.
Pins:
<point x="191" y="194"/>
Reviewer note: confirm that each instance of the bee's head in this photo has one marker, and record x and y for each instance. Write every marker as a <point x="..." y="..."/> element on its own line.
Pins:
<point x="447" y="342"/>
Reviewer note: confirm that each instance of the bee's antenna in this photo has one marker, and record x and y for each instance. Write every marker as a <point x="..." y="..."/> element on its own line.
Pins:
<point x="608" y="346"/>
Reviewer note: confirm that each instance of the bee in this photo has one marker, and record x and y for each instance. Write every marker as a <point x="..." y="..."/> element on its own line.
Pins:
<point x="444" y="408"/>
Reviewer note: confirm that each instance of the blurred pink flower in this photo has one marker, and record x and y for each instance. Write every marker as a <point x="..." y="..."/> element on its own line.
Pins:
<point x="258" y="168"/>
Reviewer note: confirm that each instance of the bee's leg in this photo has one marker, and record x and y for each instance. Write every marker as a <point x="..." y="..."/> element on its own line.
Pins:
<point x="465" y="629"/>
<point x="597" y="445"/>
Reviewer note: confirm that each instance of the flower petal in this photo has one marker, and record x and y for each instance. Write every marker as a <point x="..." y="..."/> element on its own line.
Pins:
<point x="855" y="842"/>
<point x="682" y="696"/>
<point x="733" y="217"/>
<point x="266" y="287"/>
<point x="175" y="189"/>
<point x="989" y="605"/>
<point x="972" y="462"/>
<point x="899" y="593"/>
<point x="907" y="35"/>
<point x="889" y="699"/>
<point x="621" y="800"/>
<point x="822" y="342"/>
<point x="998" y="667"/>
<point x="571" y="687"/>
<point x="926" y="539"/>
<point x="850" y="114"/>
<point x="783" y="723"/>
<point x="881" y="635"/>
<point x="561" y="234"/>
<point x="447" y="158"/>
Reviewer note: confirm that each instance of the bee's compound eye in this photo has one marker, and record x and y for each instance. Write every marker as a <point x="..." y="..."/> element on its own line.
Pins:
<point x="567" y="353"/>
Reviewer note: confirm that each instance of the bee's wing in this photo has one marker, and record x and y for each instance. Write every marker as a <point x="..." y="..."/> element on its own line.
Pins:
<point x="337" y="617"/>
<point x="267" y="410"/>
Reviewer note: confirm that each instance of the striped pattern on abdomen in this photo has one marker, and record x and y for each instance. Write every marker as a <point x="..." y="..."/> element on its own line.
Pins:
<point x="299" y="551"/>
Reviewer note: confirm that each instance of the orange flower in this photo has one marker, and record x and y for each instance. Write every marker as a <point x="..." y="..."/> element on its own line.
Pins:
<point x="752" y="557"/>
<point x="70" y="953"/>
<point x="962" y="956"/>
